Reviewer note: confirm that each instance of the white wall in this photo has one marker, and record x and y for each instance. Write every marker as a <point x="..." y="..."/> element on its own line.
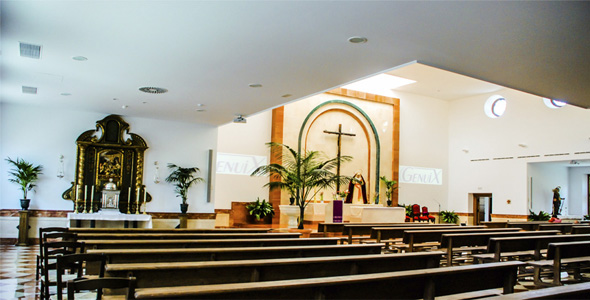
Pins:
<point x="526" y="121"/>
<point x="40" y="135"/>
<point x="545" y="177"/>
<point x="248" y="139"/>
<point x="424" y="135"/>
<point x="577" y="197"/>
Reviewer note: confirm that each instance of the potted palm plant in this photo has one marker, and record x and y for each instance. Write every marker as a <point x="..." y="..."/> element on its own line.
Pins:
<point x="261" y="210"/>
<point x="183" y="179"/>
<point x="302" y="174"/>
<point x="390" y="186"/>
<point x="24" y="174"/>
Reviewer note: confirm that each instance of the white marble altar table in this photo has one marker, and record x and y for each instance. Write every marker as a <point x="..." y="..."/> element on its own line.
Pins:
<point x="146" y="220"/>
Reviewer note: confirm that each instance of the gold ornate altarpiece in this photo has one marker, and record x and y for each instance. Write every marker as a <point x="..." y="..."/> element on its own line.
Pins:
<point x="109" y="152"/>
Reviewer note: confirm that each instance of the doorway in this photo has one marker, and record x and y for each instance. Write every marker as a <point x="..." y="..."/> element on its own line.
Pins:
<point x="482" y="208"/>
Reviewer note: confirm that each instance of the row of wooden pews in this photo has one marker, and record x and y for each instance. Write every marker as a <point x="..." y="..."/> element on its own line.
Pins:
<point x="271" y="265"/>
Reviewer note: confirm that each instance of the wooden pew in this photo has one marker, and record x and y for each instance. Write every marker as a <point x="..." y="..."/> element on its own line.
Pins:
<point x="458" y="242"/>
<point x="217" y="272"/>
<point x="339" y="227"/>
<point x="237" y="253"/>
<point x="580" y="229"/>
<point x="573" y="291"/>
<point x="494" y="224"/>
<point x="172" y="236"/>
<point x="413" y="237"/>
<point x="350" y="230"/>
<point x="563" y="256"/>
<point x="170" y="230"/>
<point x="565" y="228"/>
<point x="158" y="244"/>
<point x="423" y="283"/>
<point x="528" y="226"/>
<point x="381" y="234"/>
<point x="524" y="246"/>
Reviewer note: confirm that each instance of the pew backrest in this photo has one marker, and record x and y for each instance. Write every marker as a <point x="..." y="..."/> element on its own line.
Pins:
<point x="565" y="228"/>
<point x="568" y="249"/>
<point x="216" y="272"/>
<point x="580" y="229"/>
<point x="574" y="291"/>
<point x="196" y="236"/>
<point x="388" y="233"/>
<point x="170" y="230"/>
<point x="497" y="245"/>
<point x="188" y="243"/>
<point x="424" y="283"/>
<point x="237" y="253"/>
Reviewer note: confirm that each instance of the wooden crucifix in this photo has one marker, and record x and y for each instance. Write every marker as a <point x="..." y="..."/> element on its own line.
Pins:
<point x="340" y="134"/>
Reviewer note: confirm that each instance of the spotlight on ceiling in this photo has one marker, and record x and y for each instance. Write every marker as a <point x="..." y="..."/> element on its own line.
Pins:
<point x="239" y="119"/>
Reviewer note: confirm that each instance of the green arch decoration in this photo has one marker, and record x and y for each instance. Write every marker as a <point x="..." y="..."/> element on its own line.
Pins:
<point x="375" y="133"/>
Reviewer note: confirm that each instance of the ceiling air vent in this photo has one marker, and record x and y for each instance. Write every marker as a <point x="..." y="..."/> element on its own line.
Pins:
<point x="29" y="90"/>
<point x="30" y="50"/>
<point x="153" y="90"/>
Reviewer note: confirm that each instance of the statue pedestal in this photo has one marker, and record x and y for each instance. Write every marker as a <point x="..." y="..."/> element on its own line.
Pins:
<point x="183" y="220"/>
<point x="23" y="228"/>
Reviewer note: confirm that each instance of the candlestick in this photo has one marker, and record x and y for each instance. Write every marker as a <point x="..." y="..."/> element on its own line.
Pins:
<point x="137" y="202"/>
<point x="129" y="200"/>
<point x="144" y="199"/>
<point x="76" y="199"/>
<point x="85" y="198"/>
<point x="92" y="200"/>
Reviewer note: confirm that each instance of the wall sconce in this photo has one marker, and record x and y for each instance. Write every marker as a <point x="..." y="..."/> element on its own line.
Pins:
<point x="60" y="167"/>
<point x="157" y="175"/>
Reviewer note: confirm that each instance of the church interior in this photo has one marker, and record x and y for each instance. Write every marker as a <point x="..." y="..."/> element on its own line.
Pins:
<point x="448" y="116"/>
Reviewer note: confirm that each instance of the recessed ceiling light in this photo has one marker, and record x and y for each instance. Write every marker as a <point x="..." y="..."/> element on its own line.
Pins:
<point x="153" y="90"/>
<point x="115" y="99"/>
<point x="255" y="85"/>
<point x="80" y="58"/>
<point x="200" y="110"/>
<point x="144" y="102"/>
<point x="286" y="95"/>
<point x="357" y="39"/>
<point x="124" y="106"/>
<point x="200" y="105"/>
<point x="65" y="94"/>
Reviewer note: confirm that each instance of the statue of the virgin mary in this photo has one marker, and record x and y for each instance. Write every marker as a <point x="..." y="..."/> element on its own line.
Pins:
<point x="357" y="189"/>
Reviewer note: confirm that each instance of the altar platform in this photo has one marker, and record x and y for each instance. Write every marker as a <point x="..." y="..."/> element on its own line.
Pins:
<point x="109" y="219"/>
<point x="367" y="213"/>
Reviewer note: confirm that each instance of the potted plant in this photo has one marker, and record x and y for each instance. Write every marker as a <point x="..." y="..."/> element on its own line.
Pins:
<point x="183" y="179"/>
<point x="24" y="174"/>
<point x="303" y="174"/>
<point x="261" y="210"/>
<point x="449" y="217"/>
<point x="542" y="216"/>
<point x="390" y="186"/>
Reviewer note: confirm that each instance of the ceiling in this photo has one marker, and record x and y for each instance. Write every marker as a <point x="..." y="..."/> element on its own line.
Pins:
<point x="207" y="53"/>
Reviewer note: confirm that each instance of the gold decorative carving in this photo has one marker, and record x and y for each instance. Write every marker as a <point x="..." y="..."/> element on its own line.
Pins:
<point x="109" y="152"/>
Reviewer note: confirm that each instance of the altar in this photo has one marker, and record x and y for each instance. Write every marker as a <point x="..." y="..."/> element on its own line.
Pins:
<point x="110" y="220"/>
<point x="367" y="213"/>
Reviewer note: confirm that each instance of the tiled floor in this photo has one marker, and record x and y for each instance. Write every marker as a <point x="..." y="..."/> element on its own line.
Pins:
<point x="17" y="272"/>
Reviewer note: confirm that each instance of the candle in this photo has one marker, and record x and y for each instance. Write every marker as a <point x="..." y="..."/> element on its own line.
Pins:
<point x="137" y="201"/>
<point x="92" y="199"/>
<point x="85" y="197"/>
<point x="144" y="199"/>
<point x="76" y="199"/>
<point x="129" y="200"/>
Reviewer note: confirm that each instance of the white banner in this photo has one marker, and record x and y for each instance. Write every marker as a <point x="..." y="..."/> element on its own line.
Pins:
<point x="420" y="175"/>
<point x="238" y="164"/>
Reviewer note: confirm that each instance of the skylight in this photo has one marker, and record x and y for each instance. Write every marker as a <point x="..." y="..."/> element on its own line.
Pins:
<point x="381" y="84"/>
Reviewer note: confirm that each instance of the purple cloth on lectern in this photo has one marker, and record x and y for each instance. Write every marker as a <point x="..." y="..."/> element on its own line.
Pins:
<point x="337" y="211"/>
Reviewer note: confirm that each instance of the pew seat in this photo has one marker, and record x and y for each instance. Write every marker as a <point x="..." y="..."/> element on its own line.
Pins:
<point x="563" y="256"/>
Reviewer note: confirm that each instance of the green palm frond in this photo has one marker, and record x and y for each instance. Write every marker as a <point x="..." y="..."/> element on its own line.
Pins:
<point x="183" y="179"/>
<point x="301" y="174"/>
<point x="24" y="174"/>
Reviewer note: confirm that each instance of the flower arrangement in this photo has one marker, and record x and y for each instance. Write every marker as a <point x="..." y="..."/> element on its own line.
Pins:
<point x="339" y="194"/>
